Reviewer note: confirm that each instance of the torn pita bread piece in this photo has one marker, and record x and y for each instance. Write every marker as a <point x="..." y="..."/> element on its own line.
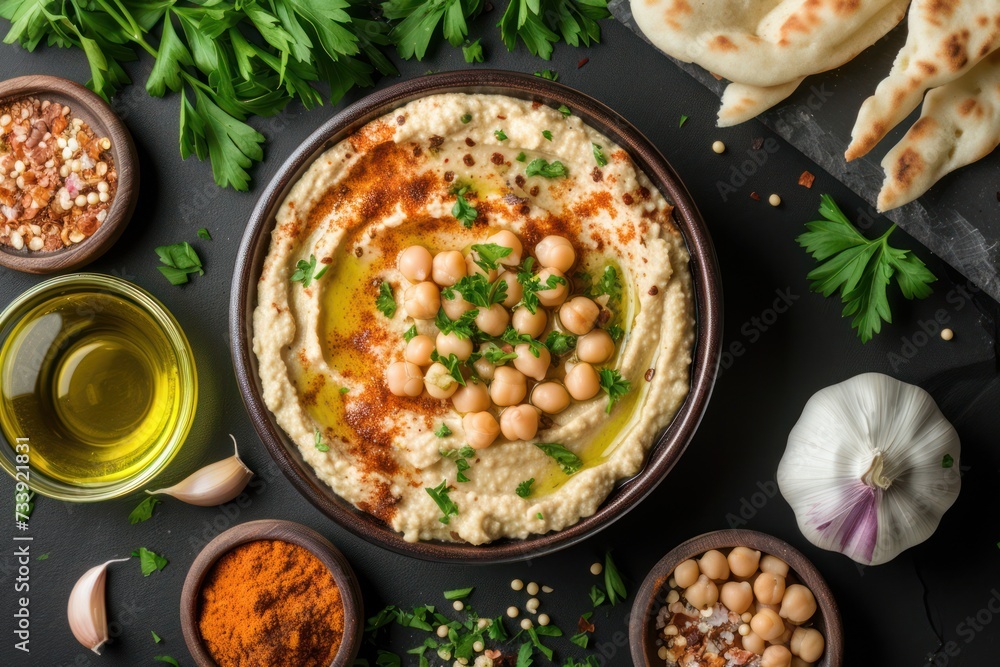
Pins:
<point x="764" y="43"/>
<point x="959" y="124"/>
<point x="945" y="39"/>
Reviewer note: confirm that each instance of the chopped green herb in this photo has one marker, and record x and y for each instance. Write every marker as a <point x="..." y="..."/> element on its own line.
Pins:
<point x="466" y="118"/>
<point x="560" y="343"/>
<point x="496" y="630"/>
<point x="442" y="431"/>
<point x="947" y="461"/>
<point x="458" y="593"/>
<point x="410" y="333"/>
<point x="452" y="363"/>
<point x="613" y="581"/>
<point x="512" y="337"/>
<point x="345" y="390"/>
<point x="179" y="261"/>
<point x="564" y="110"/>
<point x="682" y="121"/>
<point x="143" y="510"/>
<point x="204" y="234"/>
<point x="462" y="327"/>
<point x="521" y="157"/>
<point x="581" y="639"/>
<point x="567" y="460"/>
<point x="387" y="659"/>
<point x="524" y="488"/>
<point x="463" y="211"/>
<point x="616" y="332"/>
<point x="542" y="167"/>
<point x="500" y="135"/>
<point x="599" y="156"/>
<point x="609" y="283"/>
<point x="462" y="465"/>
<point x="547" y="134"/>
<point x="532" y="284"/>
<point x="496" y="356"/>
<point x="539" y="516"/>
<point x="613" y="385"/>
<point x="439" y="495"/>
<point x="43" y="557"/>
<point x="533" y="634"/>
<point x="385" y="302"/>
<point x="490" y="254"/>
<point x="473" y="52"/>
<point x="167" y="659"/>
<point x="149" y="561"/>
<point x="305" y="272"/>
<point x="318" y="442"/>
<point x="156" y="637"/>
<point x="548" y="74"/>
<point x="597" y="596"/>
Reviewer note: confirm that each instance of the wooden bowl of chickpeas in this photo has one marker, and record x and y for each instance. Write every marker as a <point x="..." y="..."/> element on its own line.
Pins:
<point x="736" y="597"/>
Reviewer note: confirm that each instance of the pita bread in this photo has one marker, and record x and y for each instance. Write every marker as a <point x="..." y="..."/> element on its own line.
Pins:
<point x="959" y="124"/>
<point x="946" y="39"/>
<point x="764" y="43"/>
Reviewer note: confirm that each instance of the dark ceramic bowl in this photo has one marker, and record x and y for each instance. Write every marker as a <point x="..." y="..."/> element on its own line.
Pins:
<point x="707" y="292"/>
<point x="650" y="597"/>
<point x="285" y="531"/>
<point x="94" y="111"/>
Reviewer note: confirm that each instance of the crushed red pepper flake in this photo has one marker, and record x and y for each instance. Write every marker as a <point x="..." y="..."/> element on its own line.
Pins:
<point x="807" y="179"/>
<point x="754" y="196"/>
<point x="757" y="143"/>
<point x="582" y="62"/>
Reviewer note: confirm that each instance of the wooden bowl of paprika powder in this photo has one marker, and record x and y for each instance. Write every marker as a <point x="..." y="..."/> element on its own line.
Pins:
<point x="271" y="593"/>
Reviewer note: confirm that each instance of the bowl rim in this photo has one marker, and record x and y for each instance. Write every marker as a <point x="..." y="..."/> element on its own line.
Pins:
<point x="100" y="116"/>
<point x="187" y="368"/>
<point x="706" y="285"/>
<point x="643" y="615"/>
<point x="277" y="530"/>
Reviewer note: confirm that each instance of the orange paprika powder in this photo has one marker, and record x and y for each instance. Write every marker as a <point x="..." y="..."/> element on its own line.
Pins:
<point x="271" y="603"/>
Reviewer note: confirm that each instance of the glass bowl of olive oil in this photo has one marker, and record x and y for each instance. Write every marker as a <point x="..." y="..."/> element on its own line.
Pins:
<point x="98" y="387"/>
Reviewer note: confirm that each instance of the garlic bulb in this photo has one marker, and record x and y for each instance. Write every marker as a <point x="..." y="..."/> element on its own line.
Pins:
<point x="215" y="484"/>
<point x="870" y="468"/>
<point x="88" y="616"/>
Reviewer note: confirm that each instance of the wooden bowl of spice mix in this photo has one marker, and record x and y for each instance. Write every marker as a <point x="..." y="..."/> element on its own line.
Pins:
<point x="271" y="593"/>
<point x="68" y="175"/>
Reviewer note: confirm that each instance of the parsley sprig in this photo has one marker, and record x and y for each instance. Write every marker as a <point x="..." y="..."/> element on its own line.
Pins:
<point x="540" y="23"/>
<point x="439" y="494"/>
<point x="567" y="460"/>
<point x="385" y="302"/>
<point x="305" y="272"/>
<point x="614" y="385"/>
<point x="531" y="285"/>
<point x="860" y="269"/>
<point x="542" y="167"/>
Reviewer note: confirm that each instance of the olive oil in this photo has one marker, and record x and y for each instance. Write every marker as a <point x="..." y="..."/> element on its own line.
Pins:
<point x="92" y="381"/>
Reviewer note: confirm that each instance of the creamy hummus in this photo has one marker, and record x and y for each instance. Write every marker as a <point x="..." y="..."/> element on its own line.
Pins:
<point x="324" y="348"/>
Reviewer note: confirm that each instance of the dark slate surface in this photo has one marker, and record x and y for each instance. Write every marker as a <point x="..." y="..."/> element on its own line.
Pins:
<point x="896" y="614"/>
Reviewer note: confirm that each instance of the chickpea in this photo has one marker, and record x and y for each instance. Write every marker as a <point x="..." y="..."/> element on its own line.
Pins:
<point x="555" y="252"/>
<point x="449" y="268"/>
<point x="736" y="595"/>
<point x="404" y="379"/>
<point x="532" y="366"/>
<point x="550" y="298"/>
<point x="415" y="263"/>
<point x="798" y="604"/>
<point x="550" y="397"/>
<point x="754" y="644"/>
<point x="471" y="268"/>
<point x="583" y="382"/>
<point x="578" y="315"/>
<point x="769" y="588"/>
<point x="418" y="350"/>
<point x="686" y="573"/>
<point x="451" y="343"/>
<point x="482" y="366"/>
<point x="493" y="320"/>
<point x="776" y="656"/>
<point x="481" y="429"/>
<point x="519" y="422"/>
<point x="422" y="300"/>
<point x="508" y="240"/>
<point x="743" y="562"/>
<point x="439" y="381"/>
<point x="473" y="397"/>
<point x="508" y="387"/>
<point x="774" y="565"/>
<point x="456" y="306"/>
<point x="714" y="565"/>
<point x="703" y="593"/>
<point x="799" y="662"/>
<point x="767" y="625"/>
<point x="808" y="644"/>
<point x="532" y="323"/>
<point x="515" y="290"/>
<point x="595" y="347"/>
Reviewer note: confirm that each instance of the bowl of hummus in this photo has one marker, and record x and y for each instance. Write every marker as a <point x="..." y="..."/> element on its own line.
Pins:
<point x="476" y="316"/>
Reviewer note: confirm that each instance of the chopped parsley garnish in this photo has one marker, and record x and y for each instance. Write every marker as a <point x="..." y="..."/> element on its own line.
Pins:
<point x="318" y="442"/>
<point x="179" y="261"/>
<point x="547" y="134"/>
<point x="496" y="356"/>
<point x="613" y="581"/>
<point x="539" y="516"/>
<point x="512" y="337"/>
<point x="581" y="639"/>
<point x="616" y="332"/>
<point x="532" y="284"/>
<point x="524" y="488"/>
<point x="463" y="211"/>
<point x="462" y="327"/>
<point x="542" y="167"/>
<point x="613" y="385"/>
<point x="946" y="462"/>
<point x="149" y="561"/>
<point x="204" y="234"/>
<point x="500" y="135"/>
<point x="305" y="272"/>
<point x="473" y="53"/>
<point x="43" y="557"/>
<point x="156" y="637"/>
<point x="385" y="302"/>
<point x="466" y="118"/>
<point x="597" y="596"/>
<point x="567" y="460"/>
<point x="143" y="511"/>
<point x="599" y="156"/>
<point x="344" y="390"/>
<point x="439" y="495"/>
<point x="564" y="110"/>
<point x="458" y="593"/>
<point x="490" y="254"/>
<point x="410" y="333"/>
<point x="559" y="342"/>
<point x="548" y="74"/>
<point x="521" y="157"/>
<point x="452" y="363"/>
<point x="479" y="291"/>
<point x="682" y="121"/>
<point x="442" y="431"/>
<point x="609" y="283"/>
<point x="460" y="457"/>
<point x="167" y="659"/>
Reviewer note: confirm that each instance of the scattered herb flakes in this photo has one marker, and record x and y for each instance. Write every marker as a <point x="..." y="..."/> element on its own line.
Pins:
<point x="496" y="630"/>
<point x="143" y="511"/>
<point x="547" y="134"/>
<point x="453" y="364"/>
<point x="597" y="596"/>
<point x="466" y="118"/>
<point x="318" y="442"/>
<point x="616" y="332"/>
<point x="500" y="135"/>
<point x="489" y="255"/>
<point x="149" y="561"/>
<point x="473" y="52"/>
<point x="613" y="385"/>
<point x="524" y="656"/>
<point x="305" y="272"/>
<point x="463" y="211"/>
<point x="860" y="269"/>
<point x="565" y="111"/>
<point x="599" y="155"/>
<point x="458" y="593"/>
<point x="806" y="179"/>
<point x="531" y="284"/>
<point x="524" y="488"/>
<point x="156" y="637"/>
<point x="462" y="327"/>
<point x="683" y="120"/>
<point x="204" y="234"/>
<point x="345" y="390"/>
<point x="947" y="461"/>
<point x="539" y="516"/>
<point x="179" y="261"/>
<point x="442" y="431"/>
<point x="410" y="333"/>
<point x="548" y="74"/>
<point x="439" y="495"/>
<point x="511" y="337"/>
<point x="167" y="659"/>
<point x="521" y="157"/>
<point x="43" y="557"/>
<point x="496" y="356"/>
<point x="385" y="302"/>
<point x="560" y="343"/>
<point x="567" y="460"/>
<point x="609" y="283"/>
<point x="613" y="581"/>
<point x="581" y="639"/>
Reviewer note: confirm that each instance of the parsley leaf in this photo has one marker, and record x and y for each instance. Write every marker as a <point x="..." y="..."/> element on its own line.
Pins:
<point x="616" y="332"/>
<point x="473" y="53"/>
<point x="179" y="261"/>
<point x="521" y="157"/>
<point x="512" y="337"/>
<point x="542" y="167"/>
<point x="156" y="637"/>
<point x="613" y="581"/>
<point x="479" y="291"/>
<point x="613" y="385"/>
<point x="490" y="254"/>
<point x="599" y="156"/>
<point x="463" y="327"/>
<point x="466" y="118"/>
<point x="567" y="460"/>
<point x="597" y="596"/>
<point x="500" y="135"/>
<point x="531" y="285"/>
<point x="860" y="269"/>
<point x="452" y="363"/>
<point x="167" y="659"/>
<point x="442" y="431"/>
<point x="463" y="211"/>
<point x="149" y="562"/>
<point x="305" y="272"/>
<point x="564" y="110"/>
<point x="682" y="121"/>
<point x="547" y="134"/>
<point x="410" y="333"/>
<point x="609" y="283"/>
<point x="439" y="495"/>
<point x="496" y="356"/>
<point x="547" y="74"/>
<point x="947" y="461"/>
<point x="524" y="653"/>
<point x="559" y="342"/>
<point x="385" y="301"/>
<point x="524" y="488"/>
<point x="318" y="441"/>
<point x="143" y="511"/>
<point x="204" y="234"/>
<point x="581" y="639"/>
<point x="420" y="19"/>
<point x="458" y="593"/>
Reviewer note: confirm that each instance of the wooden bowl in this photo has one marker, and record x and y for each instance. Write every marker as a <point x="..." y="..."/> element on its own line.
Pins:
<point x="650" y="597"/>
<point x="664" y="453"/>
<point x="93" y="110"/>
<point x="285" y="531"/>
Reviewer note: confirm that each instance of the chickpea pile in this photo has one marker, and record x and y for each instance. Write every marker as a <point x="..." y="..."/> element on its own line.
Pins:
<point x="510" y="378"/>
<point x="771" y="611"/>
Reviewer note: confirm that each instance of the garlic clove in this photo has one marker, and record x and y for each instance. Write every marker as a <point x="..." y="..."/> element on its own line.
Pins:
<point x="88" y="616"/>
<point x="215" y="484"/>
